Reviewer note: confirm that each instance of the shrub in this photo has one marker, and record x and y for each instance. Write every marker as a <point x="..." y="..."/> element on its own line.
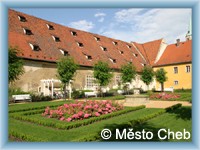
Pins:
<point x="40" y="98"/>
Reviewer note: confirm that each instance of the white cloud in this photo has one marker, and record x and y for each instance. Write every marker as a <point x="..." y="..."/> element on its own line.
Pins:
<point x="100" y="16"/>
<point x="82" y="25"/>
<point x="150" y="24"/>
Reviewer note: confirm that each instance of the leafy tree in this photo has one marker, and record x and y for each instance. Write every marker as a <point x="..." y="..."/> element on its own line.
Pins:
<point x="102" y="73"/>
<point x="66" y="68"/>
<point x="15" y="65"/>
<point x="147" y="75"/>
<point x="128" y="72"/>
<point x="161" y="77"/>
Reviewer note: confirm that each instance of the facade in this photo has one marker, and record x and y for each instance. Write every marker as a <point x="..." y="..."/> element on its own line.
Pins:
<point x="42" y="43"/>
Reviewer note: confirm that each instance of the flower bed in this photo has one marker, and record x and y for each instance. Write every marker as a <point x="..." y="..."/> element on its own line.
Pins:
<point x="165" y="96"/>
<point x="82" y="110"/>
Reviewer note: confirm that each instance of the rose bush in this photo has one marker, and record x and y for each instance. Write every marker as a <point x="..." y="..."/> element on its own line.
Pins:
<point x="82" y="110"/>
<point x="165" y="96"/>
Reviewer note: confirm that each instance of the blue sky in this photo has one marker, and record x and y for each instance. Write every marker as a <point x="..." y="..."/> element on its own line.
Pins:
<point x="130" y="24"/>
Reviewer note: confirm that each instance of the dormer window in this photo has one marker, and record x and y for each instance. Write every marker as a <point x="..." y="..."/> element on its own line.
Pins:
<point x="103" y="48"/>
<point x="22" y="18"/>
<point x="65" y="53"/>
<point x="56" y="39"/>
<point x="27" y="31"/>
<point x="121" y="52"/>
<point x="50" y="27"/>
<point x="136" y="55"/>
<point x="73" y="33"/>
<point x="97" y="39"/>
<point x="128" y="46"/>
<point x="34" y="47"/>
<point x="113" y="60"/>
<point x="89" y="57"/>
<point x="80" y="44"/>
<point x="115" y="43"/>
<point x="143" y="64"/>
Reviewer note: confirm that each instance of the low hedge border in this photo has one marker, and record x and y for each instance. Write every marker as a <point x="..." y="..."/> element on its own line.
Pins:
<point x="67" y="126"/>
<point x="129" y="124"/>
<point x="25" y="137"/>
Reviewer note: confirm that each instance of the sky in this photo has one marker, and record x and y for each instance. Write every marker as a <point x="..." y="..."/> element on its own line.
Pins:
<point x="127" y="24"/>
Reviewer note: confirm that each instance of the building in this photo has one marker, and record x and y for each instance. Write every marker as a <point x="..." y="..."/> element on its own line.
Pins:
<point x="42" y="43"/>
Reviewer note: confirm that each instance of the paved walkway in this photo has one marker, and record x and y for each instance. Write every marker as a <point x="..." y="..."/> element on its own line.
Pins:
<point x="162" y="104"/>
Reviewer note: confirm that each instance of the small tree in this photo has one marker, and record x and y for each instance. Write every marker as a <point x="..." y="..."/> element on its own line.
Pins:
<point x="66" y="68"/>
<point x="161" y="77"/>
<point x="128" y="73"/>
<point x="15" y="65"/>
<point x="102" y="73"/>
<point x="147" y="75"/>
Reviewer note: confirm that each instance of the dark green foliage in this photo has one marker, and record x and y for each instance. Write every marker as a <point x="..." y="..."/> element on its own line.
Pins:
<point x="147" y="75"/>
<point x="128" y="73"/>
<point x="15" y="65"/>
<point x="66" y="68"/>
<point x="161" y="77"/>
<point x="40" y="98"/>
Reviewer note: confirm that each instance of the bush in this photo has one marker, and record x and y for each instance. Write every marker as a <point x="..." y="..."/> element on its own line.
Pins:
<point x="182" y="90"/>
<point x="40" y="98"/>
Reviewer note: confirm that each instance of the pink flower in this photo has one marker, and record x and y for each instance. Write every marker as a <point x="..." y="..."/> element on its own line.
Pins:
<point x="97" y="114"/>
<point x="62" y="118"/>
<point x="86" y="115"/>
<point x="69" y="119"/>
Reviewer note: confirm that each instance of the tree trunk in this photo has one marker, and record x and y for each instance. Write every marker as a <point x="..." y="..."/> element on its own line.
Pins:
<point x="162" y="87"/>
<point x="65" y="92"/>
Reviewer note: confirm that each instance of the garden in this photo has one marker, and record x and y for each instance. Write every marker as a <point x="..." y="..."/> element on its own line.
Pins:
<point x="83" y="120"/>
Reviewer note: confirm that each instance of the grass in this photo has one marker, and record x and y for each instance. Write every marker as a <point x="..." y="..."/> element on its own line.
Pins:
<point x="176" y="120"/>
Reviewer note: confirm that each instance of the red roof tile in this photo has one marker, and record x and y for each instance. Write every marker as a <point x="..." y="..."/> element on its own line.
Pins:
<point x="42" y="36"/>
<point x="176" y="54"/>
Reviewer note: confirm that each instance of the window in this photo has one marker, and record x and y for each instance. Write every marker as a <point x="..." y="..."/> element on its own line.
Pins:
<point x="128" y="46"/>
<point x="117" y="79"/>
<point x="187" y="69"/>
<point x="90" y="82"/>
<point x="57" y="39"/>
<point x="136" y="55"/>
<point x="80" y="44"/>
<point x="27" y="31"/>
<point x="143" y="64"/>
<point x="65" y="53"/>
<point x="175" y="70"/>
<point x="121" y="52"/>
<point x="104" y="48"/>
<point x="22" y="18"/>
<point x="50" y="27"/>
<point x="113" y="60"/>
<point x="97" y="39"/>
<point x="34" y="47"/>
<point x="73" y="33"/>
<point x="115" y="43"/>
<point x="175" y="82"/>
<point x="89" y="57"/>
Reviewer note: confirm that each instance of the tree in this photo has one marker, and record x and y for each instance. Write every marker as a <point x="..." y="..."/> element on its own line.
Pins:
<point x="66" y="68"/>
<point x="147" y="75"/>
<point x="102" y="73"/>
<point x="15" y="65"/>
<point x="161" y="77"/>
<point x="128" y="72"/>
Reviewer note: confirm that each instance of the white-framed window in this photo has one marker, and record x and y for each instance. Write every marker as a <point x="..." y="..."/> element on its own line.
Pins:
<point x="34" y="47"/>
<point x="56" y="39"/>
<point x="50" y="27"/>
<point x="129" y="46"/>
<point x="134" y="54"/>
<point x="88" y="57"/>
<point x="27" y="31"/>
<point x="187" y="69"/>
<point x="97" y="39"/>
<point x="74" y="33"/>
<point x="103" y="48"/>
<point x="22" y="18"/>
<point x="90" y="82"/>
<point x="65" y="53"/>
<point x="175" y="82"/>
<point x="175" y="70"/>
<point x="121" y="52"/>
<point x="113" y="60"/>
<point x="114" y="43"/>
<point x="80" y="44"/>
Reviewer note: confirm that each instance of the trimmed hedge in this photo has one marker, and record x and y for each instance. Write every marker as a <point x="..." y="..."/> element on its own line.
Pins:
<point x="174" y="107"/>
<point x="67" y="126"/>
<point x="25" y="137"/>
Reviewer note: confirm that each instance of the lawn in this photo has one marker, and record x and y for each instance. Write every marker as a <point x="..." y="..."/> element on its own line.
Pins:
<point x="45" y="129"/>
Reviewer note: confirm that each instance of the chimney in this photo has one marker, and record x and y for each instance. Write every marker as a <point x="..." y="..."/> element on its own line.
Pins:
<point x="177" y="42"/>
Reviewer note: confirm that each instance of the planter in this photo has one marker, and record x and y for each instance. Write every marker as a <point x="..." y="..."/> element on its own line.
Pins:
<point x="136" y="99"/>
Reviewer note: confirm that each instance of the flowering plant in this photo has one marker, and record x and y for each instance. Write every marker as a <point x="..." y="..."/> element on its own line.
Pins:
<point x="165" y="96"/>
<point x="82" y="110"/>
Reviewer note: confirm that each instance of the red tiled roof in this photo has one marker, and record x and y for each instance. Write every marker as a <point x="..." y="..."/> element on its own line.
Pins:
<point x="149" y="50"/>
<point x="42" y="36"/>
<point x="176" y="54"/>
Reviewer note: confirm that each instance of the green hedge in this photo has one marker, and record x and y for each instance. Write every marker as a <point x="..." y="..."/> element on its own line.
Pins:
<point x="25" y="137"/>
<point x="70" y="125"/>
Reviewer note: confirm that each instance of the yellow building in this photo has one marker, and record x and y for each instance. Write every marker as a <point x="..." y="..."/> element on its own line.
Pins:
<point x="176" y="60"/>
